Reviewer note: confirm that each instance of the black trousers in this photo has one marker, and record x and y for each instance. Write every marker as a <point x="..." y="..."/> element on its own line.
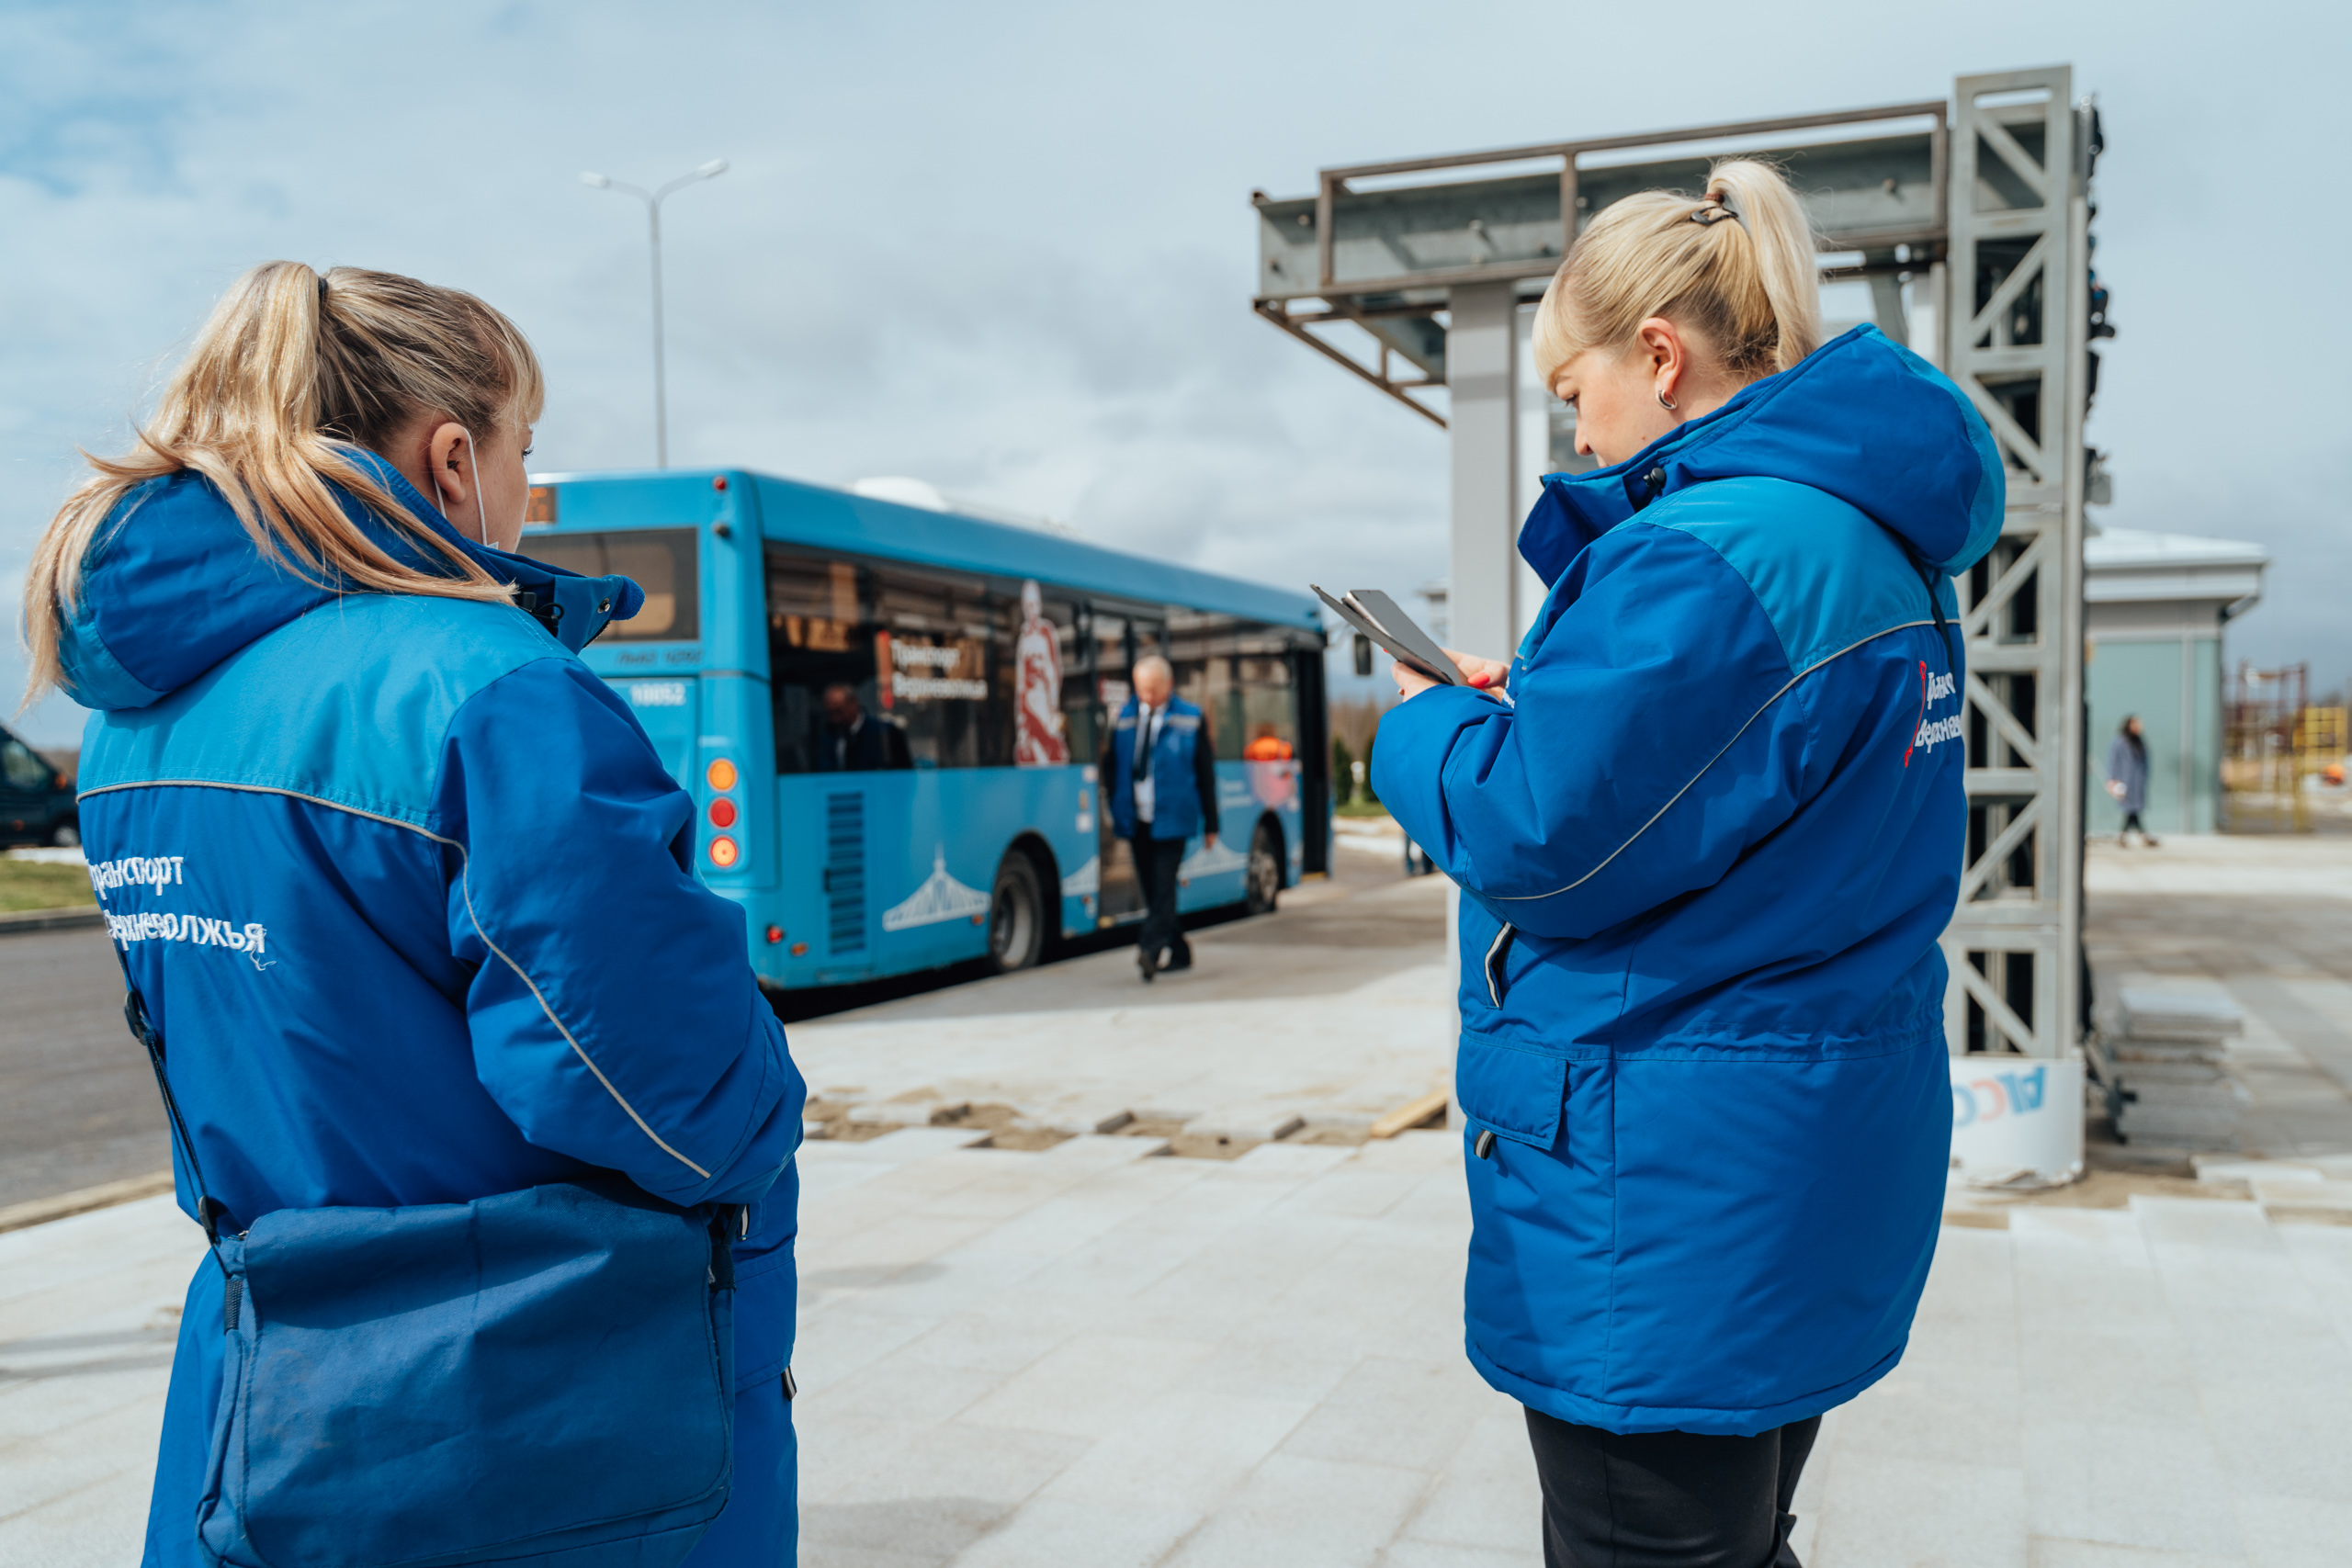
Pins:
<point x="1668" y="1499"/>
<point x="2131" y="825"/>
<point x="1155" y="864"/>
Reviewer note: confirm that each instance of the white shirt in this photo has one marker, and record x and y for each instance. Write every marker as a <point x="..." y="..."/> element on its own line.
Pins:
<point x="1147" y="732"/>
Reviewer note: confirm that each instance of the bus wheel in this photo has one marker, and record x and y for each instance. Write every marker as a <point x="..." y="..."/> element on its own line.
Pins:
<point x="1016" y="916"/>
<point x="1264" y="880"/>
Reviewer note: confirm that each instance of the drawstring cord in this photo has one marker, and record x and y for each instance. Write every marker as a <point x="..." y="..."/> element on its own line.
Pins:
<point x="1933" y="577"/>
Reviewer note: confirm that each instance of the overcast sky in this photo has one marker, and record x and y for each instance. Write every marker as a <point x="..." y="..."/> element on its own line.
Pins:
<point x="1009" y="248"/>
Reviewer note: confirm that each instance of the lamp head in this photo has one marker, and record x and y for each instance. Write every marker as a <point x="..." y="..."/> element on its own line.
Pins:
<point x="594" y="182"/>
<point x="711" y="170"/>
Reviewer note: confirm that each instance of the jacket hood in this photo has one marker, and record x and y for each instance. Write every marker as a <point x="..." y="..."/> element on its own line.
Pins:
<point x="1859" y="418"/>
<point x="172" y="584"/>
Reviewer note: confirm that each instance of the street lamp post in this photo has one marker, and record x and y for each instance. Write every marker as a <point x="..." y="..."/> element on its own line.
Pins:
<point x="653" y="200"/>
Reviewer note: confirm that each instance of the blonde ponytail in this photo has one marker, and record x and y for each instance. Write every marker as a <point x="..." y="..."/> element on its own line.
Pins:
<point x="292" y="369"/>
<point x="1733" y="267"/>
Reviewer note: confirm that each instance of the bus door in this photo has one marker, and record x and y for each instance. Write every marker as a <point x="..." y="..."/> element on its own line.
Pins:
<point x="1120" y="896"/>
<point x="1315" y="760"/>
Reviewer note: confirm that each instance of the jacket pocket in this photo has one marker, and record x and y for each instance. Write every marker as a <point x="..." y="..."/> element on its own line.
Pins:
<point x="1517" y="1093"/>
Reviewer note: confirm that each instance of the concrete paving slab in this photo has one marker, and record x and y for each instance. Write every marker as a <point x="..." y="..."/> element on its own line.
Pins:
<point x="1953" y="1516"/>
<point x="1340" y="1010"/>
<point x="1295" y="1512"/>
<point x="2295" y="1532"/>
<point x="1408" y="1553"/>
<point x="2060" y="1553"/>
<point x="1486" y="1499"/>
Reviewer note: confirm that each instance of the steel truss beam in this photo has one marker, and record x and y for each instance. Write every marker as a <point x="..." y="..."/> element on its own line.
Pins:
<point x="2015" y="343"/>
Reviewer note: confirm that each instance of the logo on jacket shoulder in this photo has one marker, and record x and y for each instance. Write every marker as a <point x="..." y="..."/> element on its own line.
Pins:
<point x="1933" y="732"/>
<point x="155" y="873"/>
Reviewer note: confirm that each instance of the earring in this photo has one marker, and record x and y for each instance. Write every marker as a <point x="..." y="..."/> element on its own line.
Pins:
<point x="1664" y="401"/>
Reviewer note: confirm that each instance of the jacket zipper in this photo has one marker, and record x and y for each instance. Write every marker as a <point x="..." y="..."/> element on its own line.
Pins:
<point x="1496" y="954"/>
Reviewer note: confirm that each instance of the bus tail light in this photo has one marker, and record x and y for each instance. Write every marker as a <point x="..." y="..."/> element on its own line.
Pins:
<point x="722" y="814"/>
<point x="775" y="934"/>
<point x="721" y="774"/>
<point x="724" y="852"/>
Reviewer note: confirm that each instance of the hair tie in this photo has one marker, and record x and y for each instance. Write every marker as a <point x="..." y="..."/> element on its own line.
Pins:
<point x="1717" y="208"/>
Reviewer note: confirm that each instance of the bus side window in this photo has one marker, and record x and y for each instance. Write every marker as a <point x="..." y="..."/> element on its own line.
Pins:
<point x="950" y="656"/>
<point x="821" y="633"/>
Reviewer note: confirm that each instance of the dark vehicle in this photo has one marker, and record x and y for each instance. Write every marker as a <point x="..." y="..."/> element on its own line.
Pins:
<point x="36" y="804"/>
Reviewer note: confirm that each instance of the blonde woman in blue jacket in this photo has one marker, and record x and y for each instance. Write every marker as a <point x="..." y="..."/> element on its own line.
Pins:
<point x="1704" y="861"/>
<point x="403" y="886"/>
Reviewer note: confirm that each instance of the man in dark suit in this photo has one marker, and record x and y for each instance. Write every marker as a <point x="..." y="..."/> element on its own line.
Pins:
<point x="853" y="742"/>
<point x="1160" y="773"/>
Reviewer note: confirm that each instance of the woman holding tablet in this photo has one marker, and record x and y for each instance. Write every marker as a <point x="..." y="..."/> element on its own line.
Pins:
<point x="1705" y="860"/>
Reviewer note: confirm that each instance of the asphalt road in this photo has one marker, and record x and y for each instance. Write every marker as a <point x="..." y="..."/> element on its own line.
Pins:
<point x="78" y="1105"/>
<point x="77" y="1101"/>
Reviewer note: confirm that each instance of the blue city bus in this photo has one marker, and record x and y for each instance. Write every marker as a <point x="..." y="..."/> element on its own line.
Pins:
<point x="890" y="718"/>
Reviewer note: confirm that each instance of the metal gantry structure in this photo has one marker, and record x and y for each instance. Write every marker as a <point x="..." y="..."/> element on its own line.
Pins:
<point x="1969" y="222"/>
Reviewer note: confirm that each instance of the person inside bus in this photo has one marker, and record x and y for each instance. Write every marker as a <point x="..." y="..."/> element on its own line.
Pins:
<point x="1705" y="855"/>
<point x="855" y="741"/>
<point x="463" y="957"/>
<point x="1161" y="765"/>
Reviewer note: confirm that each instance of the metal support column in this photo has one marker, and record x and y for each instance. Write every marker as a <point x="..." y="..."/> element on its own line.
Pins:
<point x="1482" y="377"/>
<point x="2015" y="343"/>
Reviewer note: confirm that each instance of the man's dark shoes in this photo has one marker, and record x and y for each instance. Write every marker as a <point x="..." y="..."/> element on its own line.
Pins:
<point x="1148" y="963"/>
<point x="1179" y="959"/>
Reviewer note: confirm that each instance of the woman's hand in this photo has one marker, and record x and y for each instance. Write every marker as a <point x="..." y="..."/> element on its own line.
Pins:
<point x="1485" y="674"/>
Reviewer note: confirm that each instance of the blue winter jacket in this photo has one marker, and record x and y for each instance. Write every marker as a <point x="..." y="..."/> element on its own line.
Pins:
<point x="1705" y="861"/>
<point x="1183" y="779"/>
<point x="405" y="889"/>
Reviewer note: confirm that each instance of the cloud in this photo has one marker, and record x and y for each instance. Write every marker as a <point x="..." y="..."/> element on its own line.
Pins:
<point x="1009" y="249"/>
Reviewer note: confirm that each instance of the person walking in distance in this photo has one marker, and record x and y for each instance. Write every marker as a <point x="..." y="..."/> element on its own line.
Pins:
<point x="401" y="892"/>
<point x="1159" y="770"/>
<point x="2127" y="779"/>
<point x="1705" y="855"/>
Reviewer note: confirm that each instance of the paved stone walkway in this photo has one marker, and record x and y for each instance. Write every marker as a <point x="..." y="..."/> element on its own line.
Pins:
<point x="1097" y="1354"/>
<point x="1330" y="1013"/>
<point x="2271" y="920"/>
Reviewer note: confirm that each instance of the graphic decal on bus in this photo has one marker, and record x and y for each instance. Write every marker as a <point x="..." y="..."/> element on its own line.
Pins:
<point x="1211" y="860"/>
<point x="1037" y="659"/>
<point x="940" y="899"/>
<point x="920" y="673"/>
<point x="1086" y="881"/>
